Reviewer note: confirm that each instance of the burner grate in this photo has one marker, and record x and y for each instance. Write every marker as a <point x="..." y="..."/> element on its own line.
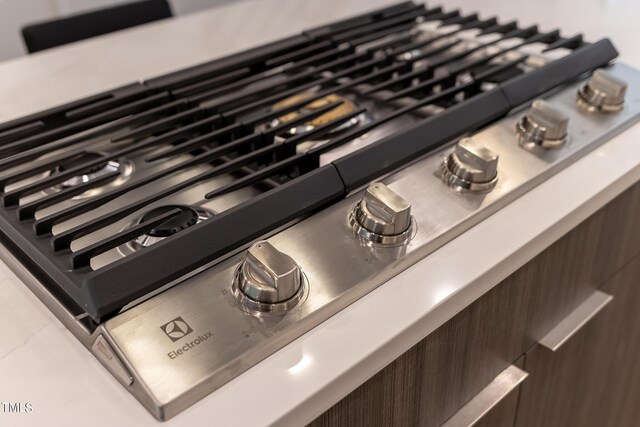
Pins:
<point x="453" y="72"/>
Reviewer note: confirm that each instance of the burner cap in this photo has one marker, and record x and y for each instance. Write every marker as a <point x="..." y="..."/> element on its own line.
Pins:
<point x="79" y="160"/>
<point x="187" y="217"/>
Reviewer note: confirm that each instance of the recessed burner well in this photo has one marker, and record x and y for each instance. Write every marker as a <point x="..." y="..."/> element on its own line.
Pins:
<point x="122" y="166"/>
<point x="347" y="107"/>
<point x="188" y="217"/>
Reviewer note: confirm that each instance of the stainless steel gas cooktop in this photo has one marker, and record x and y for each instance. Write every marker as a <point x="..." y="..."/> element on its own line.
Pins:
<point x="186" y="227"/>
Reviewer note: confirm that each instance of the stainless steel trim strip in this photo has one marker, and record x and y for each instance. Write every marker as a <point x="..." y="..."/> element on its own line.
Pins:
<point x="109" y="358"/>
<point x="471" y="413"/>
<point x="556" y="337"/>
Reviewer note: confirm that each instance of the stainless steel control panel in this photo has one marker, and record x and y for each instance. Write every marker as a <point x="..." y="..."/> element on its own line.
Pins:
<point x="191" y="339"/>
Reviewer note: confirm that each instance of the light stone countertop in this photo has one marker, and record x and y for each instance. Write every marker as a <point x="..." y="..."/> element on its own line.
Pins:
<point x="42" y="363"/>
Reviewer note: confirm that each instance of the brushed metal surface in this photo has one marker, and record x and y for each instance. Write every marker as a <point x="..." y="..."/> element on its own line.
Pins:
<point x="578" y="318"/>
<point x="105" y="354"/>
<point x="471" y="413"/>
<point x="226" y="340"/>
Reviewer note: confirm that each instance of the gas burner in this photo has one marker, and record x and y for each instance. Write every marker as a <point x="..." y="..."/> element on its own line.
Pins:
<point x="348" y="106"/>
<point x="123" y="166"/>
<point x="189" y="216"/>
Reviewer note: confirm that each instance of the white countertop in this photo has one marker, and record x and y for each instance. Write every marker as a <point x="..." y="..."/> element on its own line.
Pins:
<point x="42" y="363"/>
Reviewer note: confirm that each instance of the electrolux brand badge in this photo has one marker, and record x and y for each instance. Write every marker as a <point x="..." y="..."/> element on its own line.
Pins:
<point x="176" y="329"/>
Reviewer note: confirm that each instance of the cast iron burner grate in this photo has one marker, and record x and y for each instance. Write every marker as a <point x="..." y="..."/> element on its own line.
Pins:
<point x="459" y="71"/>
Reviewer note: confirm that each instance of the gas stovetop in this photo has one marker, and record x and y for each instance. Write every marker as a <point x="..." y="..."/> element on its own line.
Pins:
<point x="186" y="227"/>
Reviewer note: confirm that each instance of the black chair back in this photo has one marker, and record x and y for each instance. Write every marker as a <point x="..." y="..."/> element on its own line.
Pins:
<point x="103" y="21"/>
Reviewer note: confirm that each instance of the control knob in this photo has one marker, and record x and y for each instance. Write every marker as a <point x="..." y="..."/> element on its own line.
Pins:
<point x="269" y="280"/>
<point x="542" y="126"/>
<point x="382" y="216"/>
<point x="471" y="167"/>
<point x="603" y="92"/>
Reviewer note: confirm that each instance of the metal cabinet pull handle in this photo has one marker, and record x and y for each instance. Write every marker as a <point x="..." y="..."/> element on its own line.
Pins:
<point x="490" y="396"/>
<point x="571" y="324"/>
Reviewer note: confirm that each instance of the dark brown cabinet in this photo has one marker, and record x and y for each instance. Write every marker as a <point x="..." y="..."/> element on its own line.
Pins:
<point x="592" y="380"/>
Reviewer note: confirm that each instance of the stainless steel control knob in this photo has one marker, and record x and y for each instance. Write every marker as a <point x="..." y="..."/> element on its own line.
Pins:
<point x="470" y="168"/>
<point x="269" y="280"/>
<point x="603" y="92"/>
<point x="382" y="216"/>
<point x="542" y="126"/>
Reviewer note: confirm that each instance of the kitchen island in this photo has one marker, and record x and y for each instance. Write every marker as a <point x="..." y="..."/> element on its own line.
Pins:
<point x="41" y="363"/>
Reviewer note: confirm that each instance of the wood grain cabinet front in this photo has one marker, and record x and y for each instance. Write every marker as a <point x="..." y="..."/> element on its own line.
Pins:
<point x="592" y="379"/>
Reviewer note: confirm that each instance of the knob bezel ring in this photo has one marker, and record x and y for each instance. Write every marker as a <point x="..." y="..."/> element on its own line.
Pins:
<point x="461" y="185"/>
<point x="264" y="309"/>
<point x="379" y="239"/>
<point x="592" y="100"/>
<point x="531" y="136"/>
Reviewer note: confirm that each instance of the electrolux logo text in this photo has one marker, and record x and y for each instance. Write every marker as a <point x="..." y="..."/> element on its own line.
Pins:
<point x="190" y="345"/>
